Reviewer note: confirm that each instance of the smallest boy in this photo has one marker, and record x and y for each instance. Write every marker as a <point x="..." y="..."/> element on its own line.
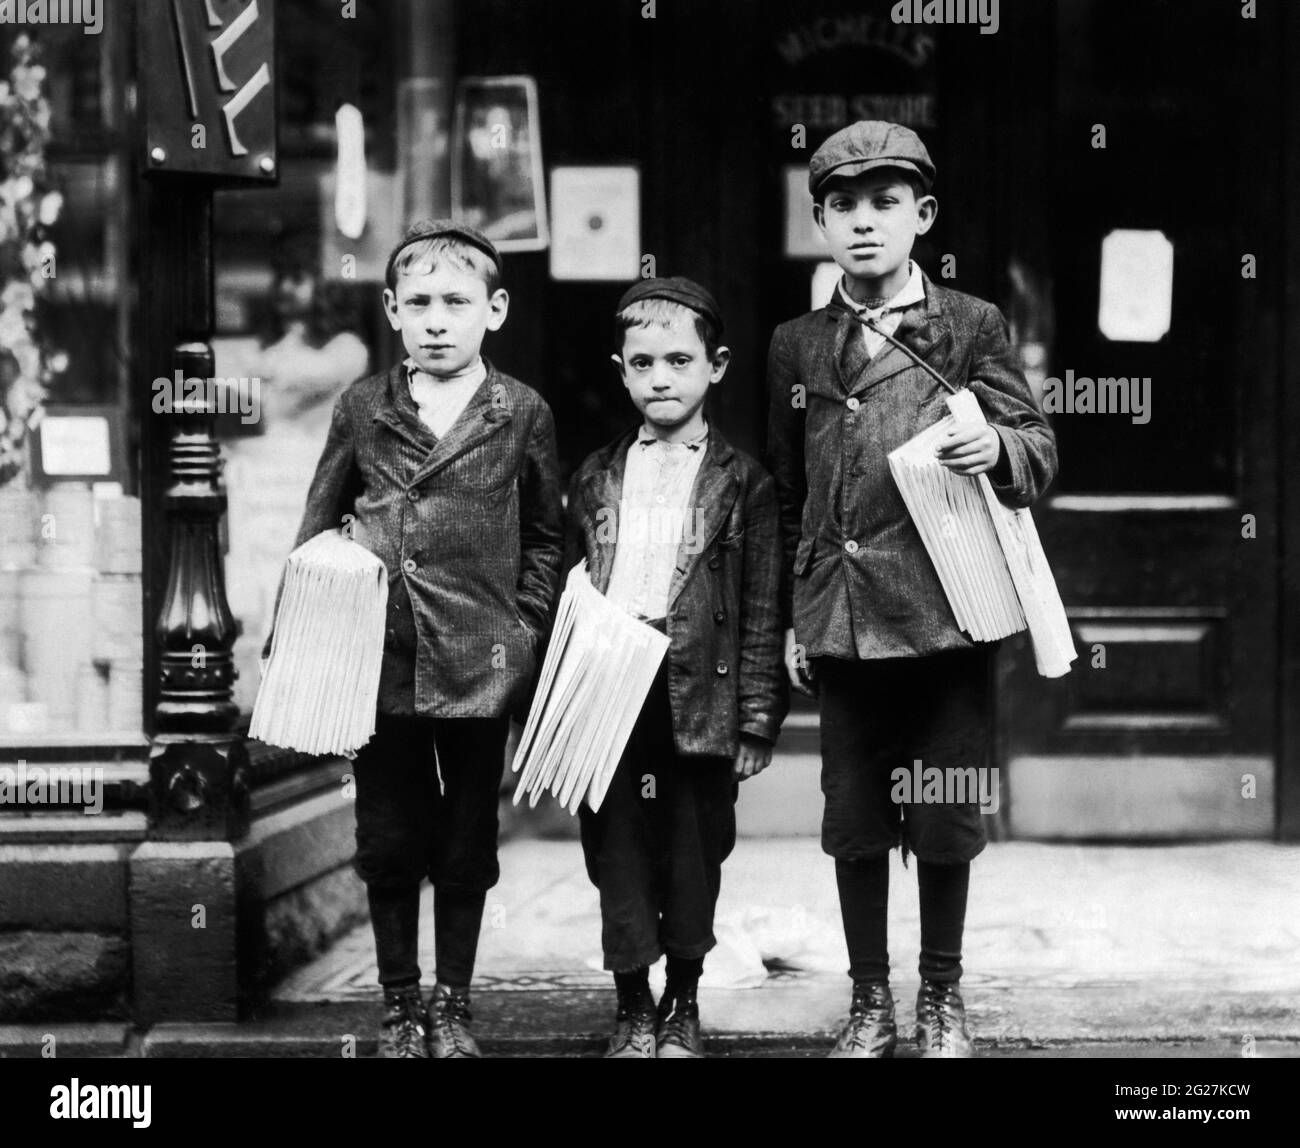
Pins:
<point x="693" y="552"/>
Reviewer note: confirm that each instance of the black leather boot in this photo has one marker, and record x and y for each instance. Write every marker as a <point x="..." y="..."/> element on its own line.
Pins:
<point x="404" y="1032"/>
<point x="870" y="1032"/>
<point x="941" y="1022"/>
<point x="634" y="1026"/>
<point x="449" y="1021"/>
<point x="678" y="1037"/>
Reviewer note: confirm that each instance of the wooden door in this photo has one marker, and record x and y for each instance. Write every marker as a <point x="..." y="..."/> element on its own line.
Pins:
<point x="1162" y="527"/>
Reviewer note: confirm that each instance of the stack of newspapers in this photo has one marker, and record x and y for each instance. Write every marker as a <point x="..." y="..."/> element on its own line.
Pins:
<point x="321" y="683"/>
<point x="597" y="673"/>
<point x="988" y="556"/>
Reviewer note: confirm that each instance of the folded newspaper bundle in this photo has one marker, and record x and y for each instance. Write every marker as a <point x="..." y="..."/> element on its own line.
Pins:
<point x="321" y="684"/>
<point x="598" y="670"/>
<point x="988" y="556"/>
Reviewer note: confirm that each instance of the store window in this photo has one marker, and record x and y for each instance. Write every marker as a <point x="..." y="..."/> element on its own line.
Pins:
<point x="296" y="322"/>
<point x="71" y="633"/>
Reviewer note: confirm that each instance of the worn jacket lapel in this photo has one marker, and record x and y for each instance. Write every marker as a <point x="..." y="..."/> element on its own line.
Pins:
<point x="487" y="411"/>
<point x="397" y="410"/>
<point x="602" y="492"/>
<point x="712" y="498"/>
<point x="845" y="328"/>
<point x="924" y="328"/>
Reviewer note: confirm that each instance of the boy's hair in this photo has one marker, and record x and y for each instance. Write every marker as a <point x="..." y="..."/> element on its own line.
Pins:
<point x="914" y="181"/>
<point x="424" y="255"/>
<point x="665" y="313"/>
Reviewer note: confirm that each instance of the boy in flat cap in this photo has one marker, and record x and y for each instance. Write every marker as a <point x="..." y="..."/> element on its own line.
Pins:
<point x="445" y="468"/>
<point x="868" y="625"/>
<point x="679" y="529"/>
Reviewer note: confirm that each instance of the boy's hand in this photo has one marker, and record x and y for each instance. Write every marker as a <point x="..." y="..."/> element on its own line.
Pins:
<point x="797" y="666"/>
<point x="753" y="756"/>
<point x="970" y="448"/>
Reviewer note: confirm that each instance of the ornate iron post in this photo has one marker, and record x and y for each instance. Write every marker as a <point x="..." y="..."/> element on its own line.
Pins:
<point x="209" y="119"/>
<point x="208" y="104"/>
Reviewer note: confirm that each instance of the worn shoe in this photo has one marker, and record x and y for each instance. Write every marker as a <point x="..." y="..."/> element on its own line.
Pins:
<point x="404" y="1032"/>
<point x="870" y="1032"/>
<point x="634" y="1030"/>
<point x="678" y="1037"/>
<point x="449" y="1021"/>
<point x="941" y="1022"/>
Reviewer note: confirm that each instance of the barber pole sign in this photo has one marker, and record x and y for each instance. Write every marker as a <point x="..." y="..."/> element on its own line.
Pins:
<point x="208" y="83"/>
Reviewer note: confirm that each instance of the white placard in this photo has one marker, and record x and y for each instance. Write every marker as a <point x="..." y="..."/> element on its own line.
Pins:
<point x="1137" y="286"/>
<point x="825" y="276"/>
<point x="76" y="445"/>
<point x="595" y="223"/>
<point x="803" y="238"/>
<point x="350" y="169"/>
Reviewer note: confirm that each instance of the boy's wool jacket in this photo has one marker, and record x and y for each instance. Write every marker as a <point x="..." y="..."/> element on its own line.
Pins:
<point x="725" y="674"/>
<point x="858" y="580"/>
<point x="469" y="527"/>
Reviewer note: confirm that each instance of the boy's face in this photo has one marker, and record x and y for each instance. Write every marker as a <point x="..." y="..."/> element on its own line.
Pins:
<point x="871" y="221"/>
<point x="443" y="315"/>
<point x="668" y="373"/>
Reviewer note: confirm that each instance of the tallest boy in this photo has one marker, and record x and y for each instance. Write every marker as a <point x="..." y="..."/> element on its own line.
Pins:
<point x="870" y="627"/>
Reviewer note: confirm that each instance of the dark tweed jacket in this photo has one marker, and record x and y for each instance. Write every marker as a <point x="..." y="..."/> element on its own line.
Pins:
<point x="469" y="527"/>
<point x="858" y="580"/>
<point x="725" y="675"/>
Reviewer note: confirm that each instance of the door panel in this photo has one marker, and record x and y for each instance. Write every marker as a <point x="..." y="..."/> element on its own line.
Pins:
<point x="1160" y="532"/>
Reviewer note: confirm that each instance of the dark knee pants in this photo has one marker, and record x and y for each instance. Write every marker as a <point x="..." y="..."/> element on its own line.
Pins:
<point x="883" y="715"/>
<point x="655" y="849"/>
<point x="407" y="829"/>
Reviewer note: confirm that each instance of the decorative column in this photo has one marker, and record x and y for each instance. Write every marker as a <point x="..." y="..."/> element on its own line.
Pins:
<point x="208" y="103"/>
<point x="196" y="788"/>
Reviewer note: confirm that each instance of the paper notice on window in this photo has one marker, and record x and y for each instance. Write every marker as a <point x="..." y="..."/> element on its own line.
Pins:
<point x="76" y="445"/>
<point x="1137" y="286"/>
<point x="595" y="223"/>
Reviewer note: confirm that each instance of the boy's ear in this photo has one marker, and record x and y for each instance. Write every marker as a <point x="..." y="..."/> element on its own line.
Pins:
<point x="927" y="209"/>
<point x="498" y="308"/>
<point x="721" y="360"/>
<point x="390" y="309"/>
<point x="617" y="360"/>
<point x="819" y="214"/>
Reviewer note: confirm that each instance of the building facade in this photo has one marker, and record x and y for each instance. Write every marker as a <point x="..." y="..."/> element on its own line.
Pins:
<point x="1115" y="176"/>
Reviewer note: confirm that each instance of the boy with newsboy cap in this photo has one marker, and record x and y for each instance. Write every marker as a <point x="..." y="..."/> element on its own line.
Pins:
<point x="680" y="530"/>
<point x="445" y="468"/>
<point x="868" y="625"/>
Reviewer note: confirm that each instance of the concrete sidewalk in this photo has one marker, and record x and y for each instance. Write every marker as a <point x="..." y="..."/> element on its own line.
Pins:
<point x="1071" y="951"/>
<point x="1065" y="945"/>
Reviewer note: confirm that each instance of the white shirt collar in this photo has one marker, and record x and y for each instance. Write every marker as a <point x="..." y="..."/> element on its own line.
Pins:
<point x="647" y="438"/>
<point x="913" y="292"/>
<point x="414" y="372"/>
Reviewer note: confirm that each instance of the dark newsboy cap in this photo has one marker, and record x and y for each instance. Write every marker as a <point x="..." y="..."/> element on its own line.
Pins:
<point x="870" y="144"/>
<point x="443" y="229"/>
<point x="676" y="289"/>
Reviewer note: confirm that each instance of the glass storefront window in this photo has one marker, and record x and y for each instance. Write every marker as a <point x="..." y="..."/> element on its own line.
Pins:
<point x="71" y="623"/>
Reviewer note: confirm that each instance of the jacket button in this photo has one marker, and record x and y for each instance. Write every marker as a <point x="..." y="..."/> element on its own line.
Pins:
<point x="850" y="547"/>
<point x="413" y="494"/>
<point x="714" y="562"/>
<point x="852" y="404"/>
<point x="722" y="669"/>
<point x="719" y="615"/>
<point x="408" y="565"/>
